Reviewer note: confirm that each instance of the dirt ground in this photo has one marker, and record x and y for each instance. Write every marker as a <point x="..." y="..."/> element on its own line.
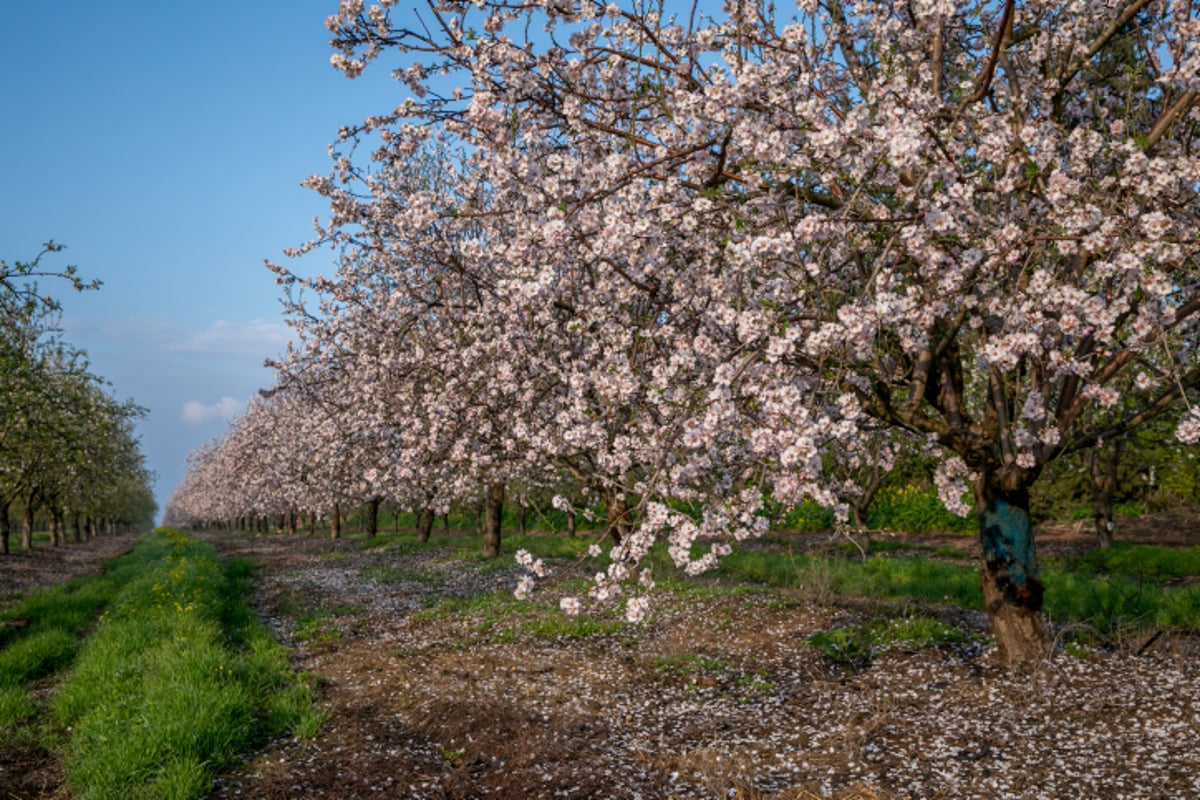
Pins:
<point x="24" y="572"/>
<point x="718" y="696"/>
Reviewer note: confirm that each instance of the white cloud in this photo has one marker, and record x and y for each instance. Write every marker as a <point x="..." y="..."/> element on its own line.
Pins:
<point x="197" y="413"/>
<point x="223" y="337"/>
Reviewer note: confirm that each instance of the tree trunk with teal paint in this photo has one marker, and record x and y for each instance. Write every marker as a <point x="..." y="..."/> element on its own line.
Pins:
<point x="1012" y="588"/>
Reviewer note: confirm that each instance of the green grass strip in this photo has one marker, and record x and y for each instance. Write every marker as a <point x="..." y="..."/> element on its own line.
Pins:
<point x="176" y="681"/>
<point x="1145" y="561"/>
<point x="1074" y="591"/>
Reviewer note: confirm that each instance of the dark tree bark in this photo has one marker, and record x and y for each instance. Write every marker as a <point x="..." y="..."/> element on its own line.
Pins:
<point x="446" y="522"/>
<point x="372" y="520"/>
<point x="425" y="529"/>
<point x="58" y="528"/>
<point x="311" y="522"/>
<point x="859" y="505"/>
<point x="77" y="526"/>
<point x="335" y="522"/>
<point x="571" y="523"/>
<point x="27" y="524"/>
<point x="523" y="518"/>
<point x="5" y="527"/>
<point x="493" y="514"/>
<point x="1102" y="467"/>
<point x="293" y="522"/>
<point x="619" y="522"/>
<point x="1012" y="589"/>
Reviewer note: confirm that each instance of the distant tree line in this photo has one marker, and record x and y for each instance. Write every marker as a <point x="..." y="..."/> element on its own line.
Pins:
<point x="69" y="458"/>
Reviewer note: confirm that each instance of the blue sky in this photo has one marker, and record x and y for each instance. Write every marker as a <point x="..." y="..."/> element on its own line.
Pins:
<point x="164" y="144"/>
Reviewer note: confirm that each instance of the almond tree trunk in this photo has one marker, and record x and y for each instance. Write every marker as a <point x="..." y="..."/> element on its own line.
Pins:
<point x="618" y="516"/>
<point x="77" y="526"/>
<point x="58" y="533"/>
<point x="27" y="525"/>
<point x="869" y="487"/>
<point x="1012" y="590"/>
<point x="5" y="527"/>
<point x="425" y="528"/>
<point x="1102" y="467"/>
<point x="372" y="521"/>
<point x="335" y="522"/>
<point x="571" y="523"/>
<point x="493" y="511"/>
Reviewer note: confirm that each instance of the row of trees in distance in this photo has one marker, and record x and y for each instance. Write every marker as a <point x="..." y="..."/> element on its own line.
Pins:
<point x="692" y="261"/>
<point x="68" y="453"/>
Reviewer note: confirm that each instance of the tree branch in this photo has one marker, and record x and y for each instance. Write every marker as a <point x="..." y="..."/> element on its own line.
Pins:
<point x="1003" y="35"/>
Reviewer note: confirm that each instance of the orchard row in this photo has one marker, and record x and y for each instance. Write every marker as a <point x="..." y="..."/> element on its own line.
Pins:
<point x="68" y="453"/>
<point x="691" y="263"/>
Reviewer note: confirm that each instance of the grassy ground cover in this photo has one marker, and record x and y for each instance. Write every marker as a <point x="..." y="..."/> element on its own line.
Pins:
<point x="1138" y="587"/>
<point x="1104" y="592"/>
<point x="40" y="636"/>
<point x="172" y="680"/>
<point x="1101" y="595"/>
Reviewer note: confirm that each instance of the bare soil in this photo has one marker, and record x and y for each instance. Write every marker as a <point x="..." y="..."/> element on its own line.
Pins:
<point x="23" y="572"/>
<point x="717" y="696"/>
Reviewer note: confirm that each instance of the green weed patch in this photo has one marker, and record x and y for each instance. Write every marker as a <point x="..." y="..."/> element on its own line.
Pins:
<point x="857" y="645"/>
<point x="1144" y="561"/>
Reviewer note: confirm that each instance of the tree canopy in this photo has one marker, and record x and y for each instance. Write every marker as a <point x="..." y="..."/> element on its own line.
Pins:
<point x="694" y="256"/>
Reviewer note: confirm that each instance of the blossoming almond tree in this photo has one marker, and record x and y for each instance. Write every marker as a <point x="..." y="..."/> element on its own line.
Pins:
<point x="965" y="222"/>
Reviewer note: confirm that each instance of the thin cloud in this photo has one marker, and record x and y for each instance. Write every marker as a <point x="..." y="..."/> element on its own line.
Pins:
<point x="197" y="413"/>
<point x="224" y="337"/>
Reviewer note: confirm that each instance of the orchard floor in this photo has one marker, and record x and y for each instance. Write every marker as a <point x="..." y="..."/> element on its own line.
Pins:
<point x="718" y="696"/>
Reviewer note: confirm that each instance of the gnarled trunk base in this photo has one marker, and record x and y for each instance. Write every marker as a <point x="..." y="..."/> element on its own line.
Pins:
<point x="1020" y="631"/>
